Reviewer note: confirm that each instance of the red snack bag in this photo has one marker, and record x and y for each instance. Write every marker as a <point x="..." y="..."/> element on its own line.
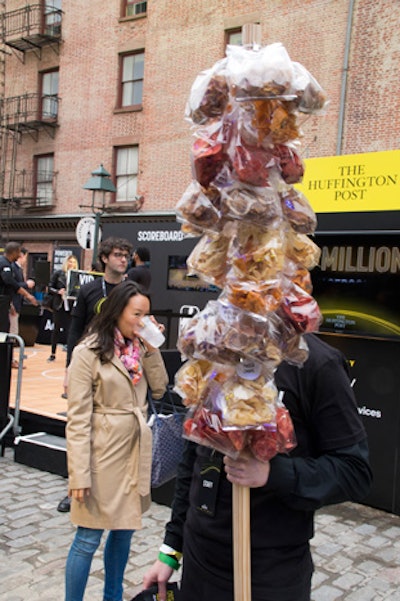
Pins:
<point x="286" y="440"/>
<point x="263" y="443"/>
<point x="290" y="165"/>
<point x="301" y="309"/>
<point x="251" y="164"/>
<point x="205" y="427"/>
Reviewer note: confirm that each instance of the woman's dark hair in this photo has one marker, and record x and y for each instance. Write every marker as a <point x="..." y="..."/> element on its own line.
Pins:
<point x="103" y="324"/>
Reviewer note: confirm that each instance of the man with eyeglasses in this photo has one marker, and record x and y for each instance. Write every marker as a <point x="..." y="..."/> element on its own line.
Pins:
<point x="113" y="255"/>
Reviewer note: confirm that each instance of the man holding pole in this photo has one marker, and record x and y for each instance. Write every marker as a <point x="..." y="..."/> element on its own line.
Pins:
<point x="329" y="465"/>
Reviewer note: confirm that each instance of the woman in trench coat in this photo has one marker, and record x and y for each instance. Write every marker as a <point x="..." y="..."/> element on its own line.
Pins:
<point x="108" y="440"/>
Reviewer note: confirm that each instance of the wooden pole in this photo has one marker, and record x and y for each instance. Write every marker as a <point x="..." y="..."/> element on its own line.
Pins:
<point x="241" y="542"/>
<point x="251" y="35"/>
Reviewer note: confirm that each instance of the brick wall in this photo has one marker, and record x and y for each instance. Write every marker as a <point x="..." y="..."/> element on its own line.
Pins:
<point x="180" y="39"/>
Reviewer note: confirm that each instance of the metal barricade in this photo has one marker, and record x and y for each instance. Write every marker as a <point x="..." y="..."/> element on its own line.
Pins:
<point x="9" y="422"/>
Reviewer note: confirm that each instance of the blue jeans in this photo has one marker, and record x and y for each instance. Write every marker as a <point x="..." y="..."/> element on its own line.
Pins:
<point x="116" y="553"/>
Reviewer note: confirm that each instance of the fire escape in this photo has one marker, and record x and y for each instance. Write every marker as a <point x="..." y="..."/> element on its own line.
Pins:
<point x="28" y="29"/>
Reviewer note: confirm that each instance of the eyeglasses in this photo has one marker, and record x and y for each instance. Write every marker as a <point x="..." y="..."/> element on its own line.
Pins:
<point x="118" y="255"/>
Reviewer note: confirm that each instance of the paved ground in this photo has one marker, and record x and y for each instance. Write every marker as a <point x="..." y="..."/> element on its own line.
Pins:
<point x="356" y="548"/>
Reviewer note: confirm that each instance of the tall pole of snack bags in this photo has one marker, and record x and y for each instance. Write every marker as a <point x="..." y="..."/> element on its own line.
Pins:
<point x="251" y="35"/>
<point x="266" y="304"/>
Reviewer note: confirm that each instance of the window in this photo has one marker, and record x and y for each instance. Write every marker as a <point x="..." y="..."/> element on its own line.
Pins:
<point x="127" y="160"/>
<point x="52" y="17"/>
<point x="132" y="69"/>
<point x="44" y="180"/>
<point x="133" y="8"/>
<point x="234" y="37"/>
<point x="49" y="95"/>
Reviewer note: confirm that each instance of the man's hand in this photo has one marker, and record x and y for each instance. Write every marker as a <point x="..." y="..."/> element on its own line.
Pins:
<point x="33" y="300"/>
<point x="159" y="573"/>
<point x="246" y="470"/>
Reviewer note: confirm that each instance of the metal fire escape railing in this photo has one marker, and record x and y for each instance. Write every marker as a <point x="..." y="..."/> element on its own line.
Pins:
<point x="28" y="189"/>
<point x="24" y="189"/>
<point x="30" y="113"/>
<point x="32" y="27"/>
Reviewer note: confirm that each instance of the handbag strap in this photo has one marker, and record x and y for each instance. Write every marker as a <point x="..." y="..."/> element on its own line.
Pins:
<point x="153" y="407"/>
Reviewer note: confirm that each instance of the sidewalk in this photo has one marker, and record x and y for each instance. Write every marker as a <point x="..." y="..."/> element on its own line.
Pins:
<point x="356" y="548"/>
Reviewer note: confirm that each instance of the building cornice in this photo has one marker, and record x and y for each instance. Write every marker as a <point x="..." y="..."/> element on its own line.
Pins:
<point x="56" y="227"/>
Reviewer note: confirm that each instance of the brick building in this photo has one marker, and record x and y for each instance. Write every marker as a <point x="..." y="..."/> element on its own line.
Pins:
<point x="106" y="82"/>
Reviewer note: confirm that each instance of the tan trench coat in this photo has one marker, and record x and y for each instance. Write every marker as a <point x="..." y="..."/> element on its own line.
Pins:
<point x="108" y="440"/>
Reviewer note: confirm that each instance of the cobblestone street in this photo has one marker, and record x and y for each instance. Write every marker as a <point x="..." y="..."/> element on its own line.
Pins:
<point x="356" y="548"/>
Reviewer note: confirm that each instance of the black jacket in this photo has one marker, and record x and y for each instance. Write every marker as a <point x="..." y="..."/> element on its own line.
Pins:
<point x="8" y="282"/>
<point x="58" y="281"/>
<point x="329" y="465"/>
<point x="17" y="299"/>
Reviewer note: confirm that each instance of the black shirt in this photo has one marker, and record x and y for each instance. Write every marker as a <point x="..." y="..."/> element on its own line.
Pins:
<point x="87" y="305"/>
<point x="328" y="465"/>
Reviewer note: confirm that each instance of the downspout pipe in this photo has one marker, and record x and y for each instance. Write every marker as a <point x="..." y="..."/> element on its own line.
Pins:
<point x="343" y="90"/>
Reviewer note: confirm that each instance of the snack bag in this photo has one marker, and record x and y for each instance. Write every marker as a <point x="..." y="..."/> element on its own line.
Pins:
<point x="257" y="254"/>
<point x="198" y="208"/>
<point x="261" y="298"/>
<point x="310" y="97"/>
<point x="262" y="73"/>
<point x="193" y="377"/>
<point x="297" y="210"/>
<point x="208" y="258"/>
<point x="244" y="202"/>
<point x="290" y="165"/>
<point x="209" y="94"/>
<point x="248" y="402"/>
<point x="301" y="309"/>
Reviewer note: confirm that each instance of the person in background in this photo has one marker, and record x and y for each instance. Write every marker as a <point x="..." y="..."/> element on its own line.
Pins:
<point x="19" y="267"/>
<point x="113" y="255"/>
<point x="140" y="272"/>
<point x="60" y="304"/>
<point x="9" y="285"/>
<point x="329" y="465"/>
<point x="108" y="439"/>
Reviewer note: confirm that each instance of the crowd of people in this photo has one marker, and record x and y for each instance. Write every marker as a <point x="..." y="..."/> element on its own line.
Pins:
<point x="109" y="369"/>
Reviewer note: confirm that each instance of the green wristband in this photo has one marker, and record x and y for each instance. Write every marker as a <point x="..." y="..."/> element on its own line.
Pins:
<point x="169" y="560"/>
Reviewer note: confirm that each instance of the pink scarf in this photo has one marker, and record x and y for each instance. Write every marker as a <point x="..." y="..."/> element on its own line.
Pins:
<point x="128" y="352"/>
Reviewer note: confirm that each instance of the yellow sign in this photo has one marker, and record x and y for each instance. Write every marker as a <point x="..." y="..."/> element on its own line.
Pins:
<point x="353" y="182"/>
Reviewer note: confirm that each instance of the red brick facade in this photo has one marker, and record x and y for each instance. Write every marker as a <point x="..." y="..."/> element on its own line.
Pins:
<point x="179" y="40"/>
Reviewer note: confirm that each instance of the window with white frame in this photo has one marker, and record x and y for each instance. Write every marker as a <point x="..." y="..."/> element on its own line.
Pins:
<point x="126" y="173"/>
<point x="49" y="95"/>
<point x="132" y="71"/>
<point x="52" y="17"/>
<point x="44" y="180"/>
<point x="133" y="8"/>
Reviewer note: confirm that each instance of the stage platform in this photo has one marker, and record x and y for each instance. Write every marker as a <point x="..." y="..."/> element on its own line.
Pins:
<point x="42" y="409"/>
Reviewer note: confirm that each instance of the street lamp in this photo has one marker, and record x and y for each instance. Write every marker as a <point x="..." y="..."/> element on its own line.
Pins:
<point x="99" y="182"/>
